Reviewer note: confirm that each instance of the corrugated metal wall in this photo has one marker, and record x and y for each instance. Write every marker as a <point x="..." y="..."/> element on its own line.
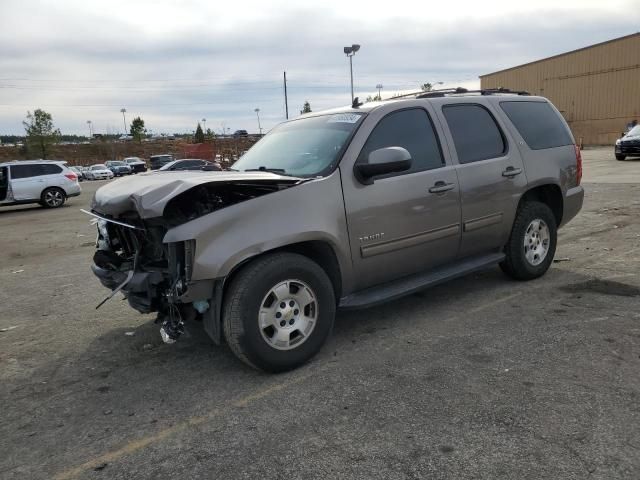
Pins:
<point x="597" y="89"/>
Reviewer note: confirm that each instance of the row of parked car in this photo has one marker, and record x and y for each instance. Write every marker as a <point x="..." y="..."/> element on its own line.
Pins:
<point x="131" y="165"/>
<point x="51" y="182"/>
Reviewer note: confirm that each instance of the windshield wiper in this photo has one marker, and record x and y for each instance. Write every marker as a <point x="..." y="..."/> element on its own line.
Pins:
<point x="265" y="169"/>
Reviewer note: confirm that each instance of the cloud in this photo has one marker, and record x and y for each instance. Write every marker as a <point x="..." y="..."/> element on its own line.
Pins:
<point x="174" y="63"/>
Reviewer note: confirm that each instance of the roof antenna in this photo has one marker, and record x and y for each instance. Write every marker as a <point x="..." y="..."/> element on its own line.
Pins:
<point x="356" y="103"/>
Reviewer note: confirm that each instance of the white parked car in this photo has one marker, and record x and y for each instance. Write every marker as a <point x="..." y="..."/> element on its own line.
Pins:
<point x="98" y="172"/>
<point x="47" y="182"/>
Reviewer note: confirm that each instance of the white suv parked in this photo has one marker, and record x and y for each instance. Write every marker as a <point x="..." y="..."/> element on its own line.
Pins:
<point x="47" y="182"/>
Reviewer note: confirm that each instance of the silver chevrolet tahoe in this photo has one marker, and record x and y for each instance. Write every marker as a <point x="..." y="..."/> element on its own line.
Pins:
<point x="341" y="209"/>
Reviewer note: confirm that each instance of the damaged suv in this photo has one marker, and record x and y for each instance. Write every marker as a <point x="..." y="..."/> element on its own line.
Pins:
<point x="341" y="209"/>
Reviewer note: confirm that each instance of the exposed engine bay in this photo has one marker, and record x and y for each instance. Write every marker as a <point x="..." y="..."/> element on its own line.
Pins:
<point x="131" y="256"/>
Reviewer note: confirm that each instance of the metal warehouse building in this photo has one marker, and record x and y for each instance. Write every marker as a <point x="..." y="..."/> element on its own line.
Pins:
<point x="596" y="88"/>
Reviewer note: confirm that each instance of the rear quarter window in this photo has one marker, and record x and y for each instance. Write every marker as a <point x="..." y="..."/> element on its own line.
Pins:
<point x="538" y="124"/>
<point x="50" y="169"/>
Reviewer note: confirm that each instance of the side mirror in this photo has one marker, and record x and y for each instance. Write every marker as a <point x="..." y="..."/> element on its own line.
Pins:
<point x="383" y="161"/>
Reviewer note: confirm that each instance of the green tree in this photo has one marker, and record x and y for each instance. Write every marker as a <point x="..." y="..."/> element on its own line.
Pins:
<point x="198" y="137"/>
<point x="41" y="133"/>
<point x="426" y="87"/>
<point x="137" y="129"/>
<point x="209" y="134"/>
<point x="306" y="108"/>
<point x="375" y="98"/>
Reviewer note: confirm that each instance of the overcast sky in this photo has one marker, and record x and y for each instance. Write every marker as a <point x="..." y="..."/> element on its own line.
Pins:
<point x="176" y="62"/>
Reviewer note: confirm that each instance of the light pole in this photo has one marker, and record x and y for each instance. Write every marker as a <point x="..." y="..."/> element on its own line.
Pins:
<point x="124" y="119"/>
<point x="379" y="87"/>
<point x="204" y="123"/>
<point x="350" y="52"/>
<point x="90" y="131"/>
<point x="257" y="110"/>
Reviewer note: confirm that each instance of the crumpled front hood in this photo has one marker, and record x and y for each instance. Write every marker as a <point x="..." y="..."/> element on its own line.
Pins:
<point x="148" y="193"/>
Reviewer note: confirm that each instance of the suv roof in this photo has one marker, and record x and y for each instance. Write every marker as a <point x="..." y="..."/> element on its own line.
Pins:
<point x="31" y="162"/>
<point x="448" y="93"/>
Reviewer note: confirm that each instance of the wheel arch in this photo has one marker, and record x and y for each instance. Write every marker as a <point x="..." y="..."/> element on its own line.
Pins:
<point x="319" y="251"/>
<point x="550" y="194"/>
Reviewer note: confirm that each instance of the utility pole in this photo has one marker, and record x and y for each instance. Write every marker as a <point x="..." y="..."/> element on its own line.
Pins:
<point x="286" y="104"/>
<point x="124" y="119"/>
<point x="379" y="87"/>
<point x="350" y="52"/>
<point x="90" y="131"/>
<point x="257" y="110"/>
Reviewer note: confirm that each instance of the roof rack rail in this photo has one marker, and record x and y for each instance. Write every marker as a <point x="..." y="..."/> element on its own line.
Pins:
<point x="459" y="91"/>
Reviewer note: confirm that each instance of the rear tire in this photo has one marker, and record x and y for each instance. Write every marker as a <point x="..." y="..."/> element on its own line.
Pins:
<point x="532" y="243"/>
<point x="620" y="157"/>
<point x="52" y="198"/>
<point x="278" y="312"/>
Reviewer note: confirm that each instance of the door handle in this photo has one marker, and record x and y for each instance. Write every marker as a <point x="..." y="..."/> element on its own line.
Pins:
<point x="441" y="187"/>
<point x="511" y="172"/>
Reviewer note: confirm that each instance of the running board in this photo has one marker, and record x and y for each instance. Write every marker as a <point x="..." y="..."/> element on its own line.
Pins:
<point x="413" y="283"/>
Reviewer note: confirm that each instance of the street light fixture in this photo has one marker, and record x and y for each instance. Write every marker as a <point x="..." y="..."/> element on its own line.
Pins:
<point x="257" y="110"/>
<point x="204" y="123"/>
<point x="90" y="131"/>
<point x="379" y="87"/>
<point x="124" y="119"/>
<point x="350" y="52"/>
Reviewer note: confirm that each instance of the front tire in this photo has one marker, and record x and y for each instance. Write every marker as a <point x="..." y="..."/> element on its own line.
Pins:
<point x="532" y="243"/>
<point x="278" y="312"/>
<point x="620" y="157"/>
<point x="52" y="198"/>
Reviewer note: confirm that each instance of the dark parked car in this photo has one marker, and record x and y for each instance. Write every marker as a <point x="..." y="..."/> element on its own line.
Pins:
<point x="629" y="144"/>
<point x="137" y="164"/>
<point x="191" y="164"/>
<point x="158" y="161"/>
<point x="240" y="133"/>
<point x="118" y="168"/>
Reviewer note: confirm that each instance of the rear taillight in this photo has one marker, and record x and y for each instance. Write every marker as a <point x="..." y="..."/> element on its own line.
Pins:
<point x="578" y="165"/>
<point x="71" y="176"/>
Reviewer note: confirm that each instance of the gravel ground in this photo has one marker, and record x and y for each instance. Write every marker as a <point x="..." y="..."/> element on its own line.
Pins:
<point x="479" y="378"/>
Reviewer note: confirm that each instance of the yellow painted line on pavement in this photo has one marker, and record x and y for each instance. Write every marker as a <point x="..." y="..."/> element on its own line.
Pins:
<point x="141" y="443"/>
<point x="498" y="301"/>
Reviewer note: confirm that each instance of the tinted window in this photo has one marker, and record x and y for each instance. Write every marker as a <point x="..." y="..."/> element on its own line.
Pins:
<point x="475" y="133"/>
<point x="409" y="129"/>
<point x="49" y="169"/>
<point x="25" y="171"/>
<point x="539" y="125"/>
<point x="189" y="164"/>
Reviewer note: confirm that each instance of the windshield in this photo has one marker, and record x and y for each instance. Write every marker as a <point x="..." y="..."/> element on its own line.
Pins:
<point x="304" y="147"/>
<point x="167" y="166"/>
<point x="98" y="167"/>
<point x="633" y="132"/>
<point x="118" y="164"/>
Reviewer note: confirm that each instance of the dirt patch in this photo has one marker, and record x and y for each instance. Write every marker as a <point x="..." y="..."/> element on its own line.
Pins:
<point x="605" y="287"/>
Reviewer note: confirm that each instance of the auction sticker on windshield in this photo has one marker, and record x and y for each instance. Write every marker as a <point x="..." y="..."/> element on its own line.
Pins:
<point x="344" y="118"/>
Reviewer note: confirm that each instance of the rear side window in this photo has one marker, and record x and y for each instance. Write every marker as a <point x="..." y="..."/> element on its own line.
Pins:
<point x="409" y="129"/>
<point x="25" y="171"/>
<point x="538" y="123"/>
<point x="475" y="133"/>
